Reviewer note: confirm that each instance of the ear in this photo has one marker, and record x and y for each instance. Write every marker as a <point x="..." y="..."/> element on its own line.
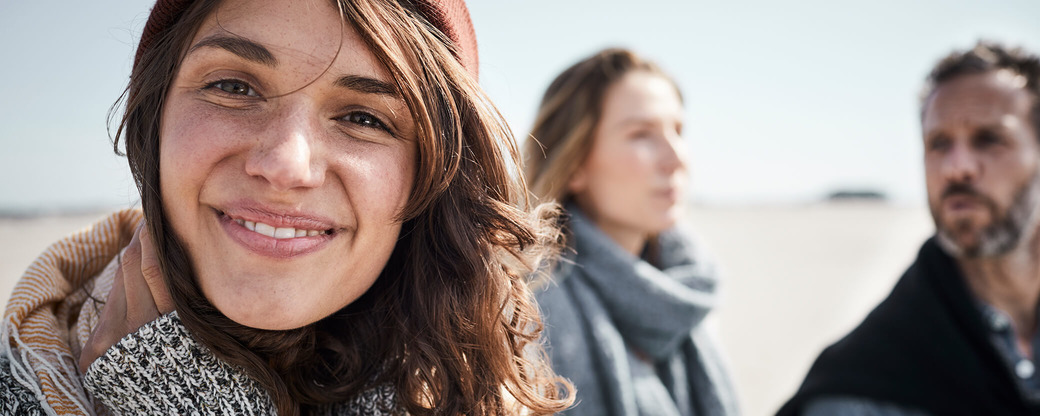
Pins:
<point x="578" y="181"/>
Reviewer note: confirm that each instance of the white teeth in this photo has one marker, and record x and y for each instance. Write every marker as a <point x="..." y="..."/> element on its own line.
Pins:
<point x="264" y="229"/>
<point x="284" y="232"/>
<point x="279" y="233"/>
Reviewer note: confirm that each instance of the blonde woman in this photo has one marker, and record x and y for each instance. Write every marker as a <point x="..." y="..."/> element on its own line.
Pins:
<point x="623" y="315"/>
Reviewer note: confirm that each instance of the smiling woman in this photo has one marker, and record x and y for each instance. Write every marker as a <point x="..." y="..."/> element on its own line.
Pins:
<point x="295" y="136"/>
<point x="329" y="226"/>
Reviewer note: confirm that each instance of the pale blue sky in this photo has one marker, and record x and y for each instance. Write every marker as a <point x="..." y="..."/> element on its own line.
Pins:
<point x="785" y="102"/>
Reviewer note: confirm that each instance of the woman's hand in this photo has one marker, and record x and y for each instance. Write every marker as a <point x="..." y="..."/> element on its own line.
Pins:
<point x="138" y="297"/>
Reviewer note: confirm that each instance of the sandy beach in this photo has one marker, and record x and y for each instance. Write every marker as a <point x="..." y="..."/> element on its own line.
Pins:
<point x="795" y="279"/>
<point x="798" y="278"/>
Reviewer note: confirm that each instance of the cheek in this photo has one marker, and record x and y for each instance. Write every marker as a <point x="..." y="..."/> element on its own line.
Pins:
<point x="1025" y="167"/>
<point x="933" y="179"/>
<point x="181" y="170"/>
<point x="377" y="178"/>
<point x="197" y="153"/>
<point x="1006" y="178"/>
<point x="614" y="182"/>
<point x="629" y="167"/>
<point x="192" y="141"/>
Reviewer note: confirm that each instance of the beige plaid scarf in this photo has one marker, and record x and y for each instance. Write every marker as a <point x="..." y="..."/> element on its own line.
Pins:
<point x="54" y="307"/>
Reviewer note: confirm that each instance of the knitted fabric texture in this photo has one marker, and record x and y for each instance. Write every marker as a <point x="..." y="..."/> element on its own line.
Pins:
<point x="451" y="17"/>
<point x="160" y="369"/>
<point x="15" y="399"/>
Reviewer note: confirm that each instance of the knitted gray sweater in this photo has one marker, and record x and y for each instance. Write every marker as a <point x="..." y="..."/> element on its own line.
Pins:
<point x="161" y="369"/>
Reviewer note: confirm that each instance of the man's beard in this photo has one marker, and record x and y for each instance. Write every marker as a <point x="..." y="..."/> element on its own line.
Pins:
<point x="1006" y="230"/>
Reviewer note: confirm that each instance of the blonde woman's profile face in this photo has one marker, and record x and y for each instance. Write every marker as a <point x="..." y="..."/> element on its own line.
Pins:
<point x="631" y="182"/>
<point x="284" y="165"/>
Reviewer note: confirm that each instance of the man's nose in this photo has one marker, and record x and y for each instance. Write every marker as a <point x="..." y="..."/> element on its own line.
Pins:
<point x="961" y="164"/>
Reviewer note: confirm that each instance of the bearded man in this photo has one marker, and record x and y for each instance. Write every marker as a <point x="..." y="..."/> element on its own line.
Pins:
<point x="958" y="335"/>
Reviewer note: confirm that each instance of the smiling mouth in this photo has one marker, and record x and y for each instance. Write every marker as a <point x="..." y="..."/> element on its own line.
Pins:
<point x="280" y="237"/>
<point x="280" y="232"/>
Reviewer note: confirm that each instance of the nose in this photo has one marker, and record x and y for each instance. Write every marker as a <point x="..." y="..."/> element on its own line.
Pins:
<point x="284" y="154"/>
<point x="671" y="153"/>
<point x="960" y="165"/>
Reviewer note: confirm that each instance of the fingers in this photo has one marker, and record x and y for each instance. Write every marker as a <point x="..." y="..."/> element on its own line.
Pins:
<point x="140" y="307"/>
<point x="111" y="323"/>
<point x="152" y="274"/>
<point x="138" y="296"/>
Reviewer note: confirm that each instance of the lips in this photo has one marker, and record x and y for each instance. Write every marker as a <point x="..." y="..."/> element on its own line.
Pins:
<point x="279" y="232"/>
<point x="961" y="202"/>
<point x="276" y="235"/>
<point x="669" y="195"/>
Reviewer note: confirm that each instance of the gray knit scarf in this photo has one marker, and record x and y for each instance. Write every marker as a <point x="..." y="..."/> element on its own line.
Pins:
<point x="652" y="354"/>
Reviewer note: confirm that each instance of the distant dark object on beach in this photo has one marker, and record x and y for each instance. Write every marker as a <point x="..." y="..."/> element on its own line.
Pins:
<point x="857" y="195"/>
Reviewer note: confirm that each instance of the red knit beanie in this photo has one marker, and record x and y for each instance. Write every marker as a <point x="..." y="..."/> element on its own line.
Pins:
<point x="450" y="16"/>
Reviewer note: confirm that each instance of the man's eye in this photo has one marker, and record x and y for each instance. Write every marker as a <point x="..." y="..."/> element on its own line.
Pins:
<point x="986" y="139"/>
<point x="234" y="87"/>
<point x="940" y="144"/>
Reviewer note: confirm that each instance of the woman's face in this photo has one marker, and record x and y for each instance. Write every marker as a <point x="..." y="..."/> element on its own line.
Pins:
<point x="631" y="181"/>
<point x="284" y="166"/>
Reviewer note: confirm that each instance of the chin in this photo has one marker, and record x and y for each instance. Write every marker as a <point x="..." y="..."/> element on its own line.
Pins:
<point x="274" y="311"/>
<point x="670" y="218"/>
<point x="662" y="224"/>
<point x="960" y="239"/>
<point x="960" y="247"/>
<point x="272" y="321"/>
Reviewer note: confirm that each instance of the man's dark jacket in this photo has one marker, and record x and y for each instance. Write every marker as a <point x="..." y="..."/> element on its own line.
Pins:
<point x="924" y="347"/>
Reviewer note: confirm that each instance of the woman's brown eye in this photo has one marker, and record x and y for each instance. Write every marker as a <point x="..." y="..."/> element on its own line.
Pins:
<point x="366" y="120"/>
<point x="234" y="87"/>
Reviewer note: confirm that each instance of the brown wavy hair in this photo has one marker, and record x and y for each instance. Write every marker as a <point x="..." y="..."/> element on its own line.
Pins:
<point x="450" y="322"/>
<point x="564" y="129"/>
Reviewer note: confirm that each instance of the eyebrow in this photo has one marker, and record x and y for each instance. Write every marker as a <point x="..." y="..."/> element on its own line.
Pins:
<point x="636" y="120"/>
<point x="367" y="85"/>
<point x="240" y="46"/>
<point x="992" y="128"/>
<point x="996" y="129"/>
<point x="641" y="121"/>
<point x="256" y="52"/>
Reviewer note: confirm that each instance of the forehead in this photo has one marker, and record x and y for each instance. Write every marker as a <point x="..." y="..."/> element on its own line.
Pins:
<point x="303" y="32"/>
<point x="968" y="101"/>
<point x="642" y="94"/>
<point x="291" y="21"/>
